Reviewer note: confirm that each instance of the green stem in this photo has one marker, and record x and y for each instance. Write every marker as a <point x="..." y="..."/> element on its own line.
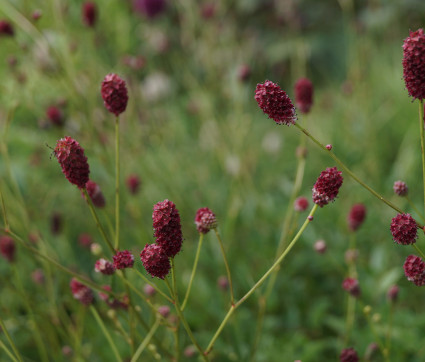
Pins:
<point x="419" y="251"/>
<point x="117" y="183"/>
<point x="11" y="356"/>
<point x="145" y="341"/>
<point x="229" y="277"/>
<point x="10" y="340"/>
<point x="347" y="170"/>
<point x="180" y="313"/>
<point x="3" y="206"/>
<point x="192" y="276"/>
<point x="106" y="333"/>
<point x="414" y="208"/>
<point x="262" y="279"/>
<point x="421" y="128"/>
<point x="146" y="280"/>
<point x="96" y="219"/>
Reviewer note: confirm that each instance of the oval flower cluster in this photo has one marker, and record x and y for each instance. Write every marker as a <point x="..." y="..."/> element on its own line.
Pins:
<point x="404" y="229"/>
<point x="205" y="220"/>
<point x="169" y="239"/>
<point x="326" y="188"/>
<point x="414" y="64"/>
<point x="414" y="270"/>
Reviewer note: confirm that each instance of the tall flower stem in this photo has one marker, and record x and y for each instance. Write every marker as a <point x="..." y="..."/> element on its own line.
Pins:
<point x="145" y="341"/>
<point x="229" y="276"/>
<point x="192" y="276"/>
<point x="261" y="280"/>
<point x="347" y="170"/>
<point x="10" y="340"/>
<point x="422" y="133"/>
<point x="96" y="219"/>
<point x="106" y="333"/>
<point x="10" y="354"/>
<point x="6" y="222"/>
<point x="117" y="183"/>
<point x="351" y="301"/>
<point x="176" y="303"/>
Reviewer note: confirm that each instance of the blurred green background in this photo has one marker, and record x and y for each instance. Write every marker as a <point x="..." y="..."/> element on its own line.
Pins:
<point x="194" y="134"/>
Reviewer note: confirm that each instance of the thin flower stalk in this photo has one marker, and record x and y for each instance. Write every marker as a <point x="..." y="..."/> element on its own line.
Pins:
<point x="3" y="206"/>
<point x="117" y="183"/>
<point x="414" y="208"/>
<point x="229" y="276"/>
<point x="422" y="133"/>
<point x="106" y="333"/>
<point x="96" y="219"/>
<point x="146" y="341"/>
<point x="10" y="340"/>
<point x="419" y="251"/>
<point x="262" y="279"/>
<point x="192" y="276"/>
<point x="9" y="353"/>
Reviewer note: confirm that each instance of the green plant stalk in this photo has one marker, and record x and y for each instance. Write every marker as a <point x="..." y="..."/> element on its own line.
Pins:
<point x="415" y="208"/>
<point x="421" y="128"/>
<point x="347" y="170"/>
<point x="106" y="333"/>
<point x="261" y="280"/>
<point x="10" y="340"/>
<point x="3" y="206"/>
<point x="117" y="183"/>
<point x="96" y="219"/>
<point x="145" y="341"/>
<point x="37" y="335"/>
<point x="176" y="341"/>
<point x="418" y="250"/>
<point x="173" y="290"/>
<point x="130" y="313"/>
<point x="192" y="276"/>
<point x="146" y="280"/>
<point x="11" y="356"/>
<point x="229" y="276"/>
<point x="79" y="330"/>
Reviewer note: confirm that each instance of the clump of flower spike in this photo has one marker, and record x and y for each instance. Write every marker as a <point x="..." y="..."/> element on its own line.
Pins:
<point x="327" y="186"/>
<point x="304" y="95"/>
<point x="301" y="204"/>
<point x="155" y="261"/>
<point x="404" y="229"/>
<point x="81" y="292"/>
<point x="166" y="223"/>
<point x="414" y="63"/>
<point x="400" y="188"/>
<point x="114" y="94"/>
<point x="6" y="28"/>
<point x="414" y="270"/>
<point x="123" y="259"/>
<point x="7" y="248"/>
<point x="356" y="216"/>
<point x="348" y="355"/>
<point x="89" y="13"/>
<point x="351" y="285"/>
<point x="205" y="220"/>
<point x="104" y="266"/>
<point x="275" y="103"/>
<point x="70" y="156"/>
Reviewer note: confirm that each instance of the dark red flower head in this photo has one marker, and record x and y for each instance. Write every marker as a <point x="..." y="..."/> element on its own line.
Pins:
<point x="133" y="184"/>
<point x="55" y="115"/>
<point x="89" y="13"/>
<point x="205" y="220"/>
<point x="392" y="293"/>
<point x="7" y="248"/>
<point x="414" y="270"/>
<point x="166" y="223"/>
<point x="404" y="229"/>
<point x="327" y="186"/>
<point x="123" y="259"/>
<point x="114" y="94"/>
<point x="351" y="285"/>
<point x="6" y="28"/>
<point x="95" y="194"/>
<point x="73" y="161"/>
<point x="414" y="64"/>
<point x="244" y="72"/>
<point x="155" y="261"/>
<point x="356" y="216"/>
<point x="104" y="266"/>
<point x="275" y="103"/>
<point x="348" y="355"/>
<point x="304" y="95"/>
<point x="301" y="204"/>
<point x="150" y="8"/>
<point x="400" y="188"/>
<point x="81" y="292"/>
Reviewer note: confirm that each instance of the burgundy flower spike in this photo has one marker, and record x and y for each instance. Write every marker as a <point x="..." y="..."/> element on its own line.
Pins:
<point x="414" y="270"/>
<point x="205" y="220"/>
<point x="123" y="259"/>
<point x="81" y="292"/>
<point x="414" y="64"/>
<point x="73" y="161"/>
<point x="348" y="355"/>
<point x="404" y="229"/>
<point x="95" y="194"/>
<point x="114" y="94"/>
<point x="304" y="95"/>
<point x="275" y="103"/>
<point x="327" y="186"/>
<point x="155" y="261"/>
<point x="356" y="216"/>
